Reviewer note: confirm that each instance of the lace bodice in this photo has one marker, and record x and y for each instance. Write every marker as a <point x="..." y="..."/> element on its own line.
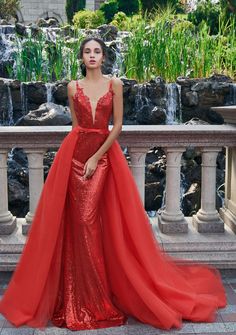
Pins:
<point x="93" y="115"/>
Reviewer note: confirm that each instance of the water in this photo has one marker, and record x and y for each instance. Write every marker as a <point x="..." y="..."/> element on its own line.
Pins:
<point x="232" y="96"/>
<point x="49" y="87"/>
<point x="24" y="97"/>
<point x="10" y="106"/>
<point x="172" y="103"/>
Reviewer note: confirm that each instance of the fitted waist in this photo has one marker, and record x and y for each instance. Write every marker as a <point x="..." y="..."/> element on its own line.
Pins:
<point x="80" y="129"/>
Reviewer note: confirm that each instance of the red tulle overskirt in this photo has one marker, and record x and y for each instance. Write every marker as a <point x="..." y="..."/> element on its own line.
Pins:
<point x="143" y="281"/>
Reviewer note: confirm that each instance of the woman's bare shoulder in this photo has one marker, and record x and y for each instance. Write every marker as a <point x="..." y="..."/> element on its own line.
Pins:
<point x="71" y="87"/>
<point x="117" y="86"/>
<point x="116" y="81"/>
<point x="71" y="84"/>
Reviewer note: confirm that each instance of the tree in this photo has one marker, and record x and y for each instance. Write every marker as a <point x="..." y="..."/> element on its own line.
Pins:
<point x="128" y="7"/>
<point x="73" y="6"/>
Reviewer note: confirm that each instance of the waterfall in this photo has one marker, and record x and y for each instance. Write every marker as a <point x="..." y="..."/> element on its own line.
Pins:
<point x="232" y="97"/>
<point x="24" y="97"/>
<point x="117" y="67"/>
<point x="49" y="87"/>
<point x="172" y="103"/>
<point x="141" y="97"/>
<point x="10" y="106"/>
<point x="180" y="103"/>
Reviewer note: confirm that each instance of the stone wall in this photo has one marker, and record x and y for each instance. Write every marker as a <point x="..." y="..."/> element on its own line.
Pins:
<point x="93" y="4"/>
<point x="31" y="10"/>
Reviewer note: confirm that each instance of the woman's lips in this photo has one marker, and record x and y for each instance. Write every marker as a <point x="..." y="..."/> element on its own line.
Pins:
<point x="92" y="61"/>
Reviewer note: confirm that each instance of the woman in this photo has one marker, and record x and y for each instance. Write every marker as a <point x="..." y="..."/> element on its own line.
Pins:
<point x="91" y="258"/>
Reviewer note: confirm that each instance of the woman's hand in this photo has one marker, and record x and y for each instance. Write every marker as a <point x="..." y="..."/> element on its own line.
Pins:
<point x="90" y="167"/>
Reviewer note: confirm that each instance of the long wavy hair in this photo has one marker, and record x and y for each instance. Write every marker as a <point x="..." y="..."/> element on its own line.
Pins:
<point x="80" y="54"/>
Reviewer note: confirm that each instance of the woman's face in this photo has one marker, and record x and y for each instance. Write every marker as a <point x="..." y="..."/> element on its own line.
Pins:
<point x="92" y="54"/>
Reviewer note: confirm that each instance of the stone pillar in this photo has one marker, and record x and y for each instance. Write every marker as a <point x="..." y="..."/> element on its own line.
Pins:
<point x="172" y="219"/>
<point x="7" y="220"/>
<point x="137" y="157"/>
<point x="228" y="212"/>
<point x="36" y="182"/>
<point x="207" y="219"/>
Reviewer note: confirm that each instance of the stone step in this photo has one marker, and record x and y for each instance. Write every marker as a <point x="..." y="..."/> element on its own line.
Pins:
<point x="217" y="249"/>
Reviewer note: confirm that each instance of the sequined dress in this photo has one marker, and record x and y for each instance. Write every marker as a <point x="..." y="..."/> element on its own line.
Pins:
<point x="84" y="299"/>
<point x="91" y="258"/>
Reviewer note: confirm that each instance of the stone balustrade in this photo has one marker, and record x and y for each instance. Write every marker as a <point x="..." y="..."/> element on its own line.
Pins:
<point x="174" y="139"/>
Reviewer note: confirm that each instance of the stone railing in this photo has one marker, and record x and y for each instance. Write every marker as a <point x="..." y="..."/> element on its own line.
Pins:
<point x="174" y="139"/>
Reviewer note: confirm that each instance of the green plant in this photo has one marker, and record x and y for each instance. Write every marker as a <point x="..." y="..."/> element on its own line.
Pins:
<point x="38" y="59"/>
<point x="88" y="19"/>
<point x="109" y="9"/>
<point x="150" y="5"/>
<point x="159" y="47"/>
<point x="183" y="25"/>
<point x="8" y="8"/>
<point x="73" y="6"/>
<point x="208" y="12"/>
<point x="120" y="21"/>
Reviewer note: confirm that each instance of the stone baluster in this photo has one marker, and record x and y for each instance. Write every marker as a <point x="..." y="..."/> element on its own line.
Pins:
<point x="36" y="181"/>
<point x="172" y="220"/>
<point x="7" y="220"/>
<point x="137" y="157"/>
<point x="228" y="211"/>
<point x="207" y="219"/>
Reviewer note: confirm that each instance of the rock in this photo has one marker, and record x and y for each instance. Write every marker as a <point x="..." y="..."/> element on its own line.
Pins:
<point x="21" y="29"/>
<point x="60" y="93"/>
<point x="153" y="196"/>
<point x="191" y="99"/>
<point x="3" y="22"/>
<point x="191" y="199"/>
<point x="108" y="32"/>
<point x="36" y="92"/>
<point x="48" y="114"/>
<point x="220" y="78"/>
<point x="41" y="22"/>
<point x="35" y="30"/>
<point x="18" y="198"/>
<point x="157" y="116"/>
<point x="195" y="121"/>
<point x="214" y="117"/>
<point x="52" y="22"/>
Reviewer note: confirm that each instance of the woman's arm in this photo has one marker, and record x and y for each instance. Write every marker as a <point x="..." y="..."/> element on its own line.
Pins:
<point x="117" y="86"/>
<point x="70" y="93"/>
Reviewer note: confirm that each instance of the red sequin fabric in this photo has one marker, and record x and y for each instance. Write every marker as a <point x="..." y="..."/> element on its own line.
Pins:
<point x="84" y="300"/>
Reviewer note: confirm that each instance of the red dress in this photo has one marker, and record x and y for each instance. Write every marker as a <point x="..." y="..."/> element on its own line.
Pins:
<point x="91" y="258"/>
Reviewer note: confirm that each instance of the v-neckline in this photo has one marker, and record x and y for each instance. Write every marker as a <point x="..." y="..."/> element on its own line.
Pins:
<point x="97" y="102"/>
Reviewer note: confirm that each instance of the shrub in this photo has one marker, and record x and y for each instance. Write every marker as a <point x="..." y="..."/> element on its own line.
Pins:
<point x="183" y="25"/>
<point x="8" y="8"/>
<point x="109" y="9"/>
<point x="88" y="19"/>
<point x="120" y="21"/>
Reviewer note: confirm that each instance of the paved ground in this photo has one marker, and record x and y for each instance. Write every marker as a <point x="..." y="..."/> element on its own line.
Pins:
<point x="224" y="324"/>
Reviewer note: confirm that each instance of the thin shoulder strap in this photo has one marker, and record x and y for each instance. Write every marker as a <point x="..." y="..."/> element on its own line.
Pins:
<point x="110" y="86"/>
